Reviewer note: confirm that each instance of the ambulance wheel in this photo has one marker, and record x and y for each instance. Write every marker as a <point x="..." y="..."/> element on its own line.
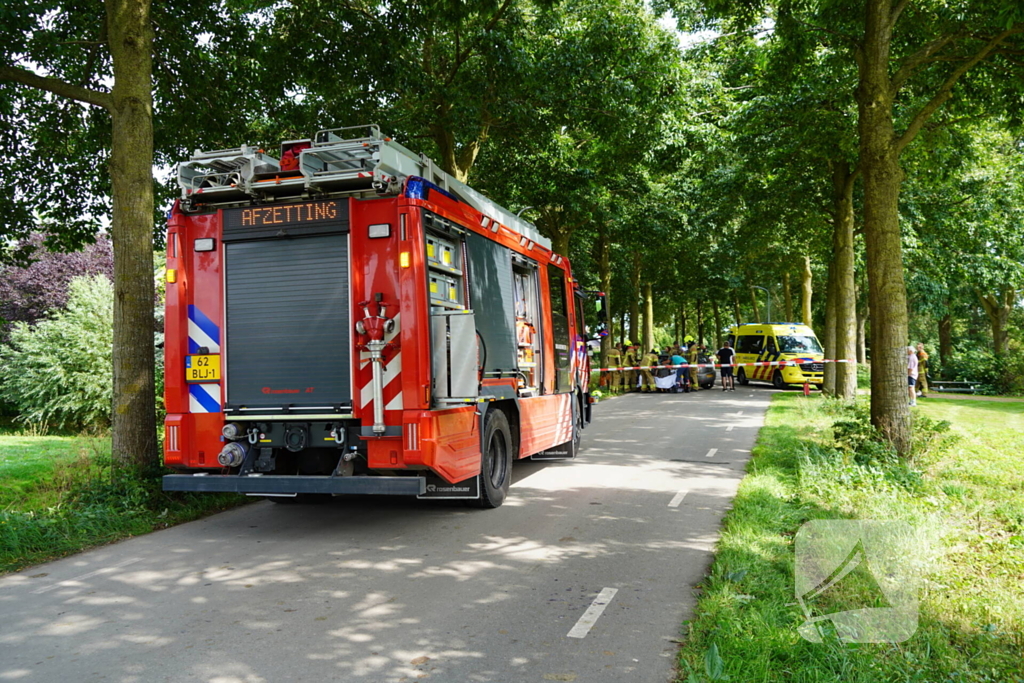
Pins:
<point x="741" y="377"/>
<point x="496" y="460"/>
<point x="777" y="380"/>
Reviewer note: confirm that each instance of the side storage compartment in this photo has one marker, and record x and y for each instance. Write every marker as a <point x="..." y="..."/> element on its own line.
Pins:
<point x="454" y="356"/>
<point x="491" y="290"/>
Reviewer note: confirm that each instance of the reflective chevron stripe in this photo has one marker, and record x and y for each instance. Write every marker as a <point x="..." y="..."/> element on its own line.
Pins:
<point x="202" y="332"/>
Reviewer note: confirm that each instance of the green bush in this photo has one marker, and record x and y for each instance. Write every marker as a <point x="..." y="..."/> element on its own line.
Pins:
<point x="999" y="374"/>
<point x="1010" y="368"/>
<point x="58" y="372"/>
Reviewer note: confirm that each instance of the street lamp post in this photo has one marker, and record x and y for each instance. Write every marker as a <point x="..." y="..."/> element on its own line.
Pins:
<point x="768" y="295"/>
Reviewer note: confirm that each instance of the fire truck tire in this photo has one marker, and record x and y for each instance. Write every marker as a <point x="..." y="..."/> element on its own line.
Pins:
<point x="495" y="461"/>
<point x="577" y="424"/>
<point x="741" y="377"/>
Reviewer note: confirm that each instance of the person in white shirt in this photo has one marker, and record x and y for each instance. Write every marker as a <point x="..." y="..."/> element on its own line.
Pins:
<point x="912" y="374"/>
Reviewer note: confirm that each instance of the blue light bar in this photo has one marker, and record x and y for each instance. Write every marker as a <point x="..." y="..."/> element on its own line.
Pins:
<point x="419" y="188"/>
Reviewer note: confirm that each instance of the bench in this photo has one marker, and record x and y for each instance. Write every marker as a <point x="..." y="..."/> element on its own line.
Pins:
<point x="955" y="387"/>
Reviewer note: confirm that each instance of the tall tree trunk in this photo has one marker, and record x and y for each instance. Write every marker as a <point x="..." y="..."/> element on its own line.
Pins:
<point x="560" y="243"/>
<point x="622" y="329"/>
<point x="682" y="322"/>
<point x="634" y="302"/>
<point x="753" y="302"/>
<point x="998" y="308"/>
<point x="887" y="294"/>
<point x="806" y="289"/>
<point x="700" y="321"/>
<point x="605" y="274"/>
<point x="787" y="298"/>
<point x="455" y="161"/>
<point x="648" y="316"/>
<point x="552" y="222"/>
<point x="129" y="37"/>
<point x="844" y="281"/>
<point x="829" y="342"/>
<point x="945" y="341"/>
<point x="736" y="310"/>
<point x="718" y="323"/>
<point x="134" y="438"/>
<point x="862" y="324"/>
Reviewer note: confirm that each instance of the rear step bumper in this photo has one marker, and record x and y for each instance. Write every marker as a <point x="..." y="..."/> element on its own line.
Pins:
<point x="232" y="483"/>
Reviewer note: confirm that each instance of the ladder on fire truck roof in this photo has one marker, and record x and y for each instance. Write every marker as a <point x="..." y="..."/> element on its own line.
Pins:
<point x="327" y="164"/>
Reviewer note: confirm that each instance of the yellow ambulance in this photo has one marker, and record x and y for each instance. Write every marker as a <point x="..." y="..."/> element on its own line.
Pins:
<point x="767" y="342"/>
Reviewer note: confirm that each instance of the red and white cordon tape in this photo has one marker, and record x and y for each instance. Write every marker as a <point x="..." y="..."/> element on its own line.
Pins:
<point x="766" y="363"/>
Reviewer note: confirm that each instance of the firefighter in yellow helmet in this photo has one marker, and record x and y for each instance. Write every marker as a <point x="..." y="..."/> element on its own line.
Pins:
<point x="630" y="360"/>
<point x="693" y="356"/>
<point x="649" y="363"/>
<point x="613" y="378"/>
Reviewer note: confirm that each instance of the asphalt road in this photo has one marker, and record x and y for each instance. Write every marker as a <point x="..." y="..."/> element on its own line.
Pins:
<point x="585" y="574"/>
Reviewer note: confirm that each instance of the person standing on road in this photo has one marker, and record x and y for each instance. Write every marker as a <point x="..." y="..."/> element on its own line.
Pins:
<point x="922" y="371"/>
<point x="630" y="359"/>
<point x="614" y="360"/>
<point x="694" y="357"/>
<point x="912" y="374"/>
<point x="725" y="356"/>
<point x="649" y="363"/>
<point x="682" y="370"/>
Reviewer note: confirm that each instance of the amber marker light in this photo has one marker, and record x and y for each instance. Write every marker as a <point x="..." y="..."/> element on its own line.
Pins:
<point x="404" y="259"/>
<point x="172" y="276"/>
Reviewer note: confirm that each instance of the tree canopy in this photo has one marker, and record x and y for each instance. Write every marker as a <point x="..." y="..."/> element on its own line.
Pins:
<point x="860" y="162"/>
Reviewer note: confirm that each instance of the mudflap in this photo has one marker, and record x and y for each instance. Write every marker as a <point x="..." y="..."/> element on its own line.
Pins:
<point x="567" y="450"/>
<point x="439" y="489"/>
<point x="563" y="452"/>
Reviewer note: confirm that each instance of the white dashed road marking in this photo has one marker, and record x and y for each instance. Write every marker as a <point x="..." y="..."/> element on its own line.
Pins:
<point x="677" y="500"/>
<point x="589" y="618"/>
<point x="729" y="428"/>
<point x="711" y="453"/>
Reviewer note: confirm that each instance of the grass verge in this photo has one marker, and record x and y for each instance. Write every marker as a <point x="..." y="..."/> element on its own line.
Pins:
<point x="59" y="495"/>
<point x="962" y="493"/>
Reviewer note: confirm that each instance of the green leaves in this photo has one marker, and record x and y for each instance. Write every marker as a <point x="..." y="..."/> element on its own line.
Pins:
<point x="58" y="372"/>
<point x="714" y="667"/>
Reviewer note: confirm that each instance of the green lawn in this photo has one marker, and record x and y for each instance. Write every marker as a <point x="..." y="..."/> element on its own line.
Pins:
<point x="59" y="495"/>
<point x="37" y="472"/>
<point x="963" y="496"/>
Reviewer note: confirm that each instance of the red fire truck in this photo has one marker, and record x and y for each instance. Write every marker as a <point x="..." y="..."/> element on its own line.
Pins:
<point x="348" y="318"/>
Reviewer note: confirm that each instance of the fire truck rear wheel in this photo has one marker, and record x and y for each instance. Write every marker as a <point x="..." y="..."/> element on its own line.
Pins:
<point x="496" y="460"/>
<point x="577" y="425"/>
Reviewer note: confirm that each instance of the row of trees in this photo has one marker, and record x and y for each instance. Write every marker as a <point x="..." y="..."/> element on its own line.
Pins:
<point x="812" y="150"/>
